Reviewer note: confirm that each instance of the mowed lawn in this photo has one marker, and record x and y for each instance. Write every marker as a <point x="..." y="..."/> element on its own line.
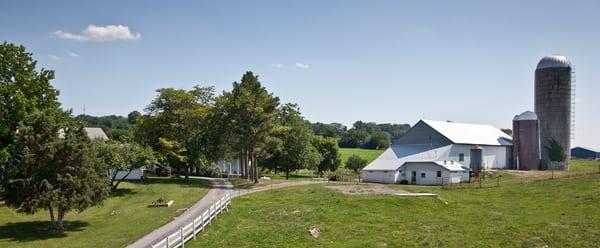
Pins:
<point x="563" y="212"/>
<point x="366" y="154"/>
<point x="121" y="220"/>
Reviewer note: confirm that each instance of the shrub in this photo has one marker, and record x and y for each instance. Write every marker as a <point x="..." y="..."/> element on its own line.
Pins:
<point x="163" y="171"/>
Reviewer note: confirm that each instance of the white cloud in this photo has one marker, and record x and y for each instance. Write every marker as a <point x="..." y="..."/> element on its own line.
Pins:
<point x="73" y="55"/>
<point x="100" y="33"/>
<point x="53" y="57"/>
<point x="278" y="66"/>
<point x="302" y="66"/>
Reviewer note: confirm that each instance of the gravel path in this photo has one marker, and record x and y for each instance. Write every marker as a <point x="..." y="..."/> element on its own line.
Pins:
<point x="220" y="187"/>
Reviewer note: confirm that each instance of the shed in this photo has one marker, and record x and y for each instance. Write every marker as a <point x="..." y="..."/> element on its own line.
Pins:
<point x="585" y="153"/>
<point x="433" y="172"/>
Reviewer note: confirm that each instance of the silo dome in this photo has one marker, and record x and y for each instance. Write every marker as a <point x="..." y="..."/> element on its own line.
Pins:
<point x="553" y="61"/>
<point x="526" y="116"/>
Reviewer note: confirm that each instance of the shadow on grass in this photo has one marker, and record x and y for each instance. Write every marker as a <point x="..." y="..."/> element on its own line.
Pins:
<point x="37" y="230"/>
<point x="192" y="182"/>
<point x="119" y="192"/>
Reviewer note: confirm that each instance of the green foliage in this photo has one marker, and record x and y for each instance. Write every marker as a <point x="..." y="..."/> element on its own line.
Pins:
<point x="354" y="138"/>
<point x="333" y="130"/>
<point x="117" y="156"/>
<point x="292" y="138"/>
<point x="555" y="151"/>
<point x="356" y="163"/>
<point x="378" y="140"/>
<point x="133" y="116"/>
<point x="507" y="131"/>
<point x="330" y="154"/>
<point x="23" y="90"/>
<point x="107" y="123"/>
<point x="53" y="168"/>
<point x="248" y="115"/>
<point x="177" y="126"/>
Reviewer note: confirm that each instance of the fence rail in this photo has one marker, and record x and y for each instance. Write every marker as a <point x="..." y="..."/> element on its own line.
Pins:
<point x="189" y="231"/>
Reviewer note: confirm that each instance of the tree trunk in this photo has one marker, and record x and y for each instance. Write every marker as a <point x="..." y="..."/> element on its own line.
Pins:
<point x="114" y="188"/>
<point x="187" y="172"/>
<point x="52" y="219"/>
<point x="246" y="160"/>
<point x="255" y="164"/>
<point x="59" y="223"/>
<point x="287" y="174"/>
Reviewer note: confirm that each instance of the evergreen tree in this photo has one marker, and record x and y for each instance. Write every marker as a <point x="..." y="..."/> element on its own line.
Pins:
<point x="53" y="169"/>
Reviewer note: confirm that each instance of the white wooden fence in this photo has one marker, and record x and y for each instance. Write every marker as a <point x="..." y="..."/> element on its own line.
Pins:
<point x="189" y="231"/>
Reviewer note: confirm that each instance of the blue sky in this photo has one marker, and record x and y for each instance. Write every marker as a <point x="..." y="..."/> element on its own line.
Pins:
<point x="341" y="61"/>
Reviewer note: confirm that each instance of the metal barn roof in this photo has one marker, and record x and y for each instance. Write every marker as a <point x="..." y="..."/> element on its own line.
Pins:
<point x="396" y="156"/>
<point x="95" y="133"/>
<point x="476" y="134"/>
<point x="553" y="61"/>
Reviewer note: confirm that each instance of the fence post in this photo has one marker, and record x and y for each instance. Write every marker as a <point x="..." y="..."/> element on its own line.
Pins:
<point x="194" y="226"/>
<point x="168" y="241"/>
<point x="181" y="237"/>
<point x="202" y="222"/>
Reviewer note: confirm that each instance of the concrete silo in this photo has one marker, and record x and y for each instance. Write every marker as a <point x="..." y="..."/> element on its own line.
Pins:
<point x="553" y="105"/>
<point x="526" y="142"/>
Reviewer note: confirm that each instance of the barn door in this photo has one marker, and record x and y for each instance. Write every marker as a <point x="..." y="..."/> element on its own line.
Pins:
<point x="413" y="177"/>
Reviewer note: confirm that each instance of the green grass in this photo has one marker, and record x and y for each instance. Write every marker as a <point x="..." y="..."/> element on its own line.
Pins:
<point x="563" y="212"/>
<point x="97" y="227"/>
<point x="369" y="155"/>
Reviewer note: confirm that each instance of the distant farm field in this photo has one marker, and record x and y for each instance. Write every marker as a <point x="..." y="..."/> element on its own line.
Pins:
<point x="560" y="212"/>
<point x="122" y="219"/>
<point x="367" y="154"/>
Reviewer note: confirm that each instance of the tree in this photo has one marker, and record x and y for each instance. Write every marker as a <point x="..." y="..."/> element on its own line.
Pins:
<point x="23" y="90"/>
<point x="175" y="124"/>
<point x="53" y="169"/>
<point x="133" y="116"/>
<point x="329" y="151"/>
<point x="507" y="131"/>
<point x="555" y="151"/>
<point x="325" y="130"/>
<point x="126" y="157"/>
<point x="354" y="138"/>
<point x="378" y="140"/>
<point x="294" y="149"/>
<point x="355" y="163"/>
<point x="248" y="112"/>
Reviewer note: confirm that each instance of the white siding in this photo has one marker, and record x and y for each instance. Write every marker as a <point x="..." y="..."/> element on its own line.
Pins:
<point x="430" y="170"/>
<point x="134" y="175"/>
<point x="494" y="157"/>
<point x="231" y="167"/>
<point x="387" y="176"/>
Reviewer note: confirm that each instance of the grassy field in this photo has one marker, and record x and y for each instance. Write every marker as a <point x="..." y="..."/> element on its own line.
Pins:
<point x="560" y="212"/>
<point x="122" y="218"/>
<point x="369" y="155"/>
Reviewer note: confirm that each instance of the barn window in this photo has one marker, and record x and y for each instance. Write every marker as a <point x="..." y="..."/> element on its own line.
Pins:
<point x="461" y="157"/>
<point x="439" y="173"/>
<point x="423" y="175"/>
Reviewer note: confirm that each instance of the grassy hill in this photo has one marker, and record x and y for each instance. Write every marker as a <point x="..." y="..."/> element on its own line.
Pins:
<point x="560" y="212"/>
<point x="122" y="219"/>
<point x="369" y="155"/>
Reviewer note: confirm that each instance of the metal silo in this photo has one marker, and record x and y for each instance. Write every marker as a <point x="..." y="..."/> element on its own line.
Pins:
<point x="553" y="104"/>
<point x="526" y="142"/>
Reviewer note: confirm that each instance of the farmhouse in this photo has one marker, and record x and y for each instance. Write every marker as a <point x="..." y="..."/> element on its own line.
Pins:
<point x="437" y="152"/>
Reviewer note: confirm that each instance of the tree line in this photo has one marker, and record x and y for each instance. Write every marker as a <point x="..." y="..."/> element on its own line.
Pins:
<point x="368" y="135"/>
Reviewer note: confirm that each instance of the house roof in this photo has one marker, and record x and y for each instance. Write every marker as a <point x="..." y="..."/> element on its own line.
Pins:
<point x="586" y="148"/>
<point x="396" y="156"/>
<point x="95" y="133"/>
<point x="476" y="134"/>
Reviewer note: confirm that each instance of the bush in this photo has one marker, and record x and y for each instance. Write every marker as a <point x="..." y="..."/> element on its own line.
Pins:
<point x="403" y="181"/>
<point x="355" y="163"/>
<point x="163" y="171"/>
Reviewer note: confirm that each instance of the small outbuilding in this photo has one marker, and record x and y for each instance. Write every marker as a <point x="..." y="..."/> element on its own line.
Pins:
<point x="433" y="173"/>
<point x="585" y="153"/>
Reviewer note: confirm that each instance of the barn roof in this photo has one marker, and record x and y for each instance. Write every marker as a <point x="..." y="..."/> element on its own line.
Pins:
<point x="396" y="156"/>
<point x="95" y="133"/>
<point x="477" y="134"/>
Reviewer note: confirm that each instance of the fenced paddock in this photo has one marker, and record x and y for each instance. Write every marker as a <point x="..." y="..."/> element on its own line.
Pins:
<point x="189" y="231"/>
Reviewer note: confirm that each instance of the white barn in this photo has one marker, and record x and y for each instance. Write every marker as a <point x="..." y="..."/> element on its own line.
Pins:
<point x="422" y="150"/>
<point x="96" y="133"/>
